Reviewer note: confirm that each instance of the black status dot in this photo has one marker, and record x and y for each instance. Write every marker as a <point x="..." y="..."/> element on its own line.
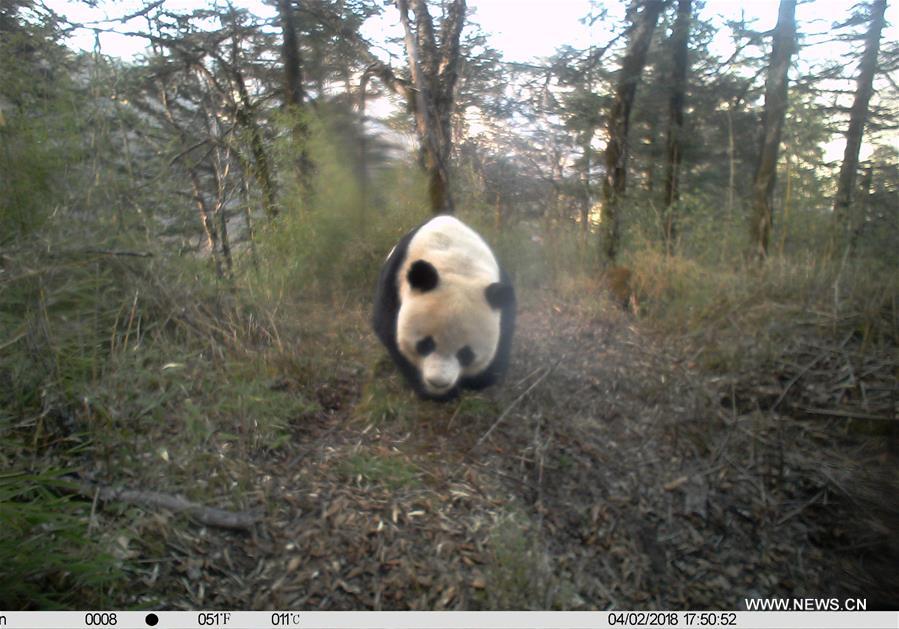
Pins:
<point x="152" y="620"/>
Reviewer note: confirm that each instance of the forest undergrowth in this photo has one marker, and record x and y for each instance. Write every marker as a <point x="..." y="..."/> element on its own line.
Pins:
<point x="737" y="439"/>
<point x="195" y="414"/>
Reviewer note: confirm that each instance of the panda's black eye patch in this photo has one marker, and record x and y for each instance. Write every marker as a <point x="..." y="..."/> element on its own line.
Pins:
<point x="465" y="356"/>
<point x="422" y="276"/>
<point x="425" y="346"/>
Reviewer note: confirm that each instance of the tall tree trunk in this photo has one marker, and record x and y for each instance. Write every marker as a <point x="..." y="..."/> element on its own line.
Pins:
<point x="680" y="39"/>
<point x="857" y="118"/>
<point x="433" y="66"/>
<point x="294" y="95"/>
<point x="855" y="231"/>
<point x="248" y="220"/>
<point x="290" y="55"/>
<point x="731" y="170"/>
<point x="615" y="180"/>
<point x="221" y="168"/>
<point x="788" y="197"/>
<point x="362" y="155"/>
<point x="775" y="111"/>
<point x="652" y="153"/>
<point x="226" y="242"/>
<point x="209" y="229"/>
<point x="585" y="181"/>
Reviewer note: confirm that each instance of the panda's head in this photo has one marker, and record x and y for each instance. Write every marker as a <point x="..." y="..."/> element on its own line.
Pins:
<point x="448" y="327"/>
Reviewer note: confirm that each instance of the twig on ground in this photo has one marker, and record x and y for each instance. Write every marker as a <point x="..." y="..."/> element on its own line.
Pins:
<point x="793" y="513"/>
<point x="515" y="402"/>
<point x="846" y="413"/>
<point x="802" y="372"/>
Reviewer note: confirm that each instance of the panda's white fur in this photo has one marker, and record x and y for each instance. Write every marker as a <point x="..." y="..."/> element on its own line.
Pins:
<point x="455" y="313"/>
<point x="452" y="328"/>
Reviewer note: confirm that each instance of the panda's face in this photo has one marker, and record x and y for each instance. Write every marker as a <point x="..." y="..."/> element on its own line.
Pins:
<point x="447" y="338"/>
<point x="446" y="330"/>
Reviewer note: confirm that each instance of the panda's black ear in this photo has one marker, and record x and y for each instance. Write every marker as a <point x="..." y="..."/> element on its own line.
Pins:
<point x="422" y="276"/>
<point x="500" y="295"/>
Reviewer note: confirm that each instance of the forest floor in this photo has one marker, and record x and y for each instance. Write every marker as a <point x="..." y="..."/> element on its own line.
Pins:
<point x="608" y="471"/>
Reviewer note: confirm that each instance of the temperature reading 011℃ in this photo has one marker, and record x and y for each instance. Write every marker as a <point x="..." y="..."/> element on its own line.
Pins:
<point x="285" y="619"/>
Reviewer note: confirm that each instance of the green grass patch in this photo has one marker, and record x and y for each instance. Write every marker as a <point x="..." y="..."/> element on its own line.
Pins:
<point x="472" y="407"/>
<point x="519" y="575"/>
<point x="388" y="400"/>
<point x="50" y="559"/>
<point x="386" y="397"/>
<point x="392" y="471"/>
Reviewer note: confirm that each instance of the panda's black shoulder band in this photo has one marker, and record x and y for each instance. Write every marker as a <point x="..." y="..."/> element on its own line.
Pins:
<point x="422" y="276"/>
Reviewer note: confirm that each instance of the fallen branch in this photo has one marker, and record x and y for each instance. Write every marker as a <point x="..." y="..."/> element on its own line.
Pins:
<point x="210" y="516"/>
<point x="109" y="252"/>
<point x="101" y="252"/>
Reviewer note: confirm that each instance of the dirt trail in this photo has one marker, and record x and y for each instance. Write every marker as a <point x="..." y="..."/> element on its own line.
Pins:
<point x="617" y="478"/>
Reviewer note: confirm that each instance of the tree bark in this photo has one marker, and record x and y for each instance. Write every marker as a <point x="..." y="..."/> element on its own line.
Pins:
<point x="220" y="169"/>
<point x="855" y="231"/>
<point x="209" y="229"/>
<point x="788" y="198"/>
<point x="248" y="221"/>
<point x="290" y="56"/>
<point x="433" y="66"/>
<point x="680" y="39"/>
<point x="731" y="163"/>
<point x="585" y="181"/>
<point x="615" y="179"/>
<point x="362" y="155"/>
<point x="775" y="111"/>
<point x="294" y="94"/>
<point x="857" y="118"/>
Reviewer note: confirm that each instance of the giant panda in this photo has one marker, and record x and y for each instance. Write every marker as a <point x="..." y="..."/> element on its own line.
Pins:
<point x="445" y="310"/>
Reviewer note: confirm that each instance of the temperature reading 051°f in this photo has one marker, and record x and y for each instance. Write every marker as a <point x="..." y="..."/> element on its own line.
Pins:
<point x="213" y="619"/>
